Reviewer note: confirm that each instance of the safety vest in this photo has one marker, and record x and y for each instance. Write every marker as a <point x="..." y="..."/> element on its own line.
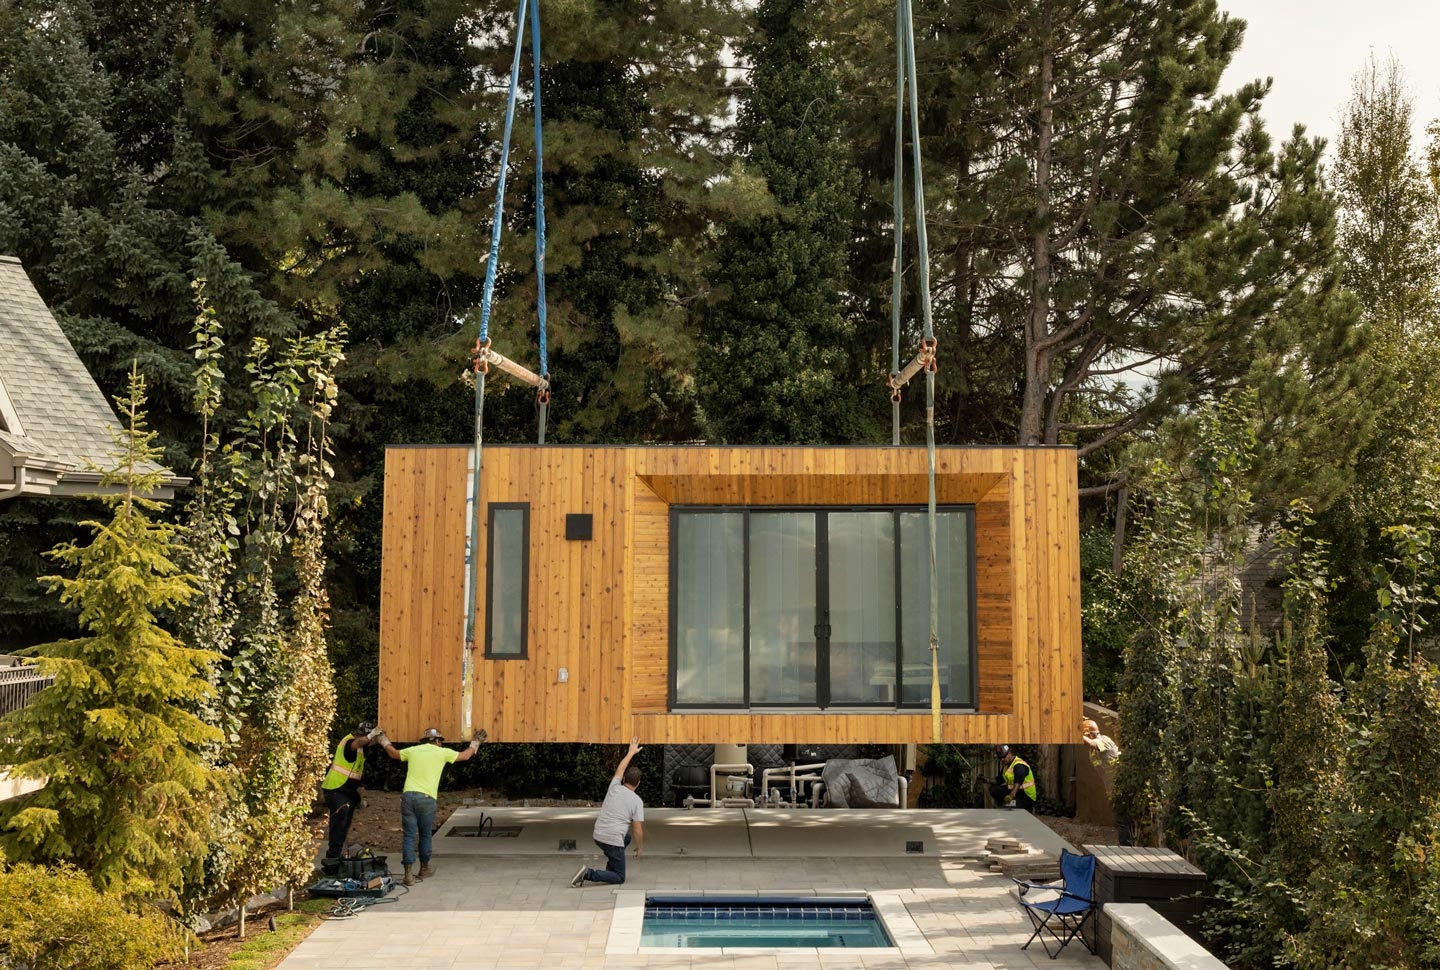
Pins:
<point x="342" y="770"/>
<point x="1029" y="786"/>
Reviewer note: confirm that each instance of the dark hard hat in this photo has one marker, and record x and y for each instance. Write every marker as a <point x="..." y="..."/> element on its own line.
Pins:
<point x="1002" y="749"/>
<point x="431" y="734"/>
<point x="364" y="727"/>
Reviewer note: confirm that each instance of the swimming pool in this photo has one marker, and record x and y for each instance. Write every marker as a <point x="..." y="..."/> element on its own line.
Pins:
<point x="764" y="921"/>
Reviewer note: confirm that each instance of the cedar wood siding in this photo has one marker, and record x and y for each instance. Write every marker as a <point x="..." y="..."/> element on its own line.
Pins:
<point x="600" y="608"/>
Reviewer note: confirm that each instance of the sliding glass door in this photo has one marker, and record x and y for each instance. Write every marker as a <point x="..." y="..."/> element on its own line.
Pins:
<point x="819" y="608"/>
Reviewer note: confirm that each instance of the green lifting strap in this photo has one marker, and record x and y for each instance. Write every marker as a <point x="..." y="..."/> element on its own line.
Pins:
<point x="926" y="358"/>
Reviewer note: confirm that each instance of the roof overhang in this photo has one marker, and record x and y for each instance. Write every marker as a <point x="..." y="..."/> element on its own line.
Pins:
<point x="27" y="474"/>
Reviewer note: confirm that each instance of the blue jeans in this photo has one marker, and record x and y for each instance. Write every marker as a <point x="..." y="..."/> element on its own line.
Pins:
<point x="614" y="871"/>
<point x="417" y="818"/>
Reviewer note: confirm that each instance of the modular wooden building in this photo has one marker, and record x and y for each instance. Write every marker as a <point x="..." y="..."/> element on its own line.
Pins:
<point x="760" y="595"/>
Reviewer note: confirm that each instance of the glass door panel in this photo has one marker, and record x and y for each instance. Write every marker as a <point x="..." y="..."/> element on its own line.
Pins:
<point x="862" y="607"/>
<point x="782" y="608"/>
<point x="952" y="569"/>
<point x="710" y="609"/>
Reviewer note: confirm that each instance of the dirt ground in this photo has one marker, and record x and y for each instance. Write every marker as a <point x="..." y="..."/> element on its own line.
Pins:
<point x="1078" y="833"/>
<point x="376" y="825"/>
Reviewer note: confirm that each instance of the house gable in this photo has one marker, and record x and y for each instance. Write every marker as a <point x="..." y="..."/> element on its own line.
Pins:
<point x="55" y="424"/>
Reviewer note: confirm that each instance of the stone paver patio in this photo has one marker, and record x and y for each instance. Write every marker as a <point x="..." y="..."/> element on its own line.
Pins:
<point x="499" y="903"/>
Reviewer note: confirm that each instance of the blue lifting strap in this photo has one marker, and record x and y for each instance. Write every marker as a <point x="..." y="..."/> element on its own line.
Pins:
<point x="484" y="356"/>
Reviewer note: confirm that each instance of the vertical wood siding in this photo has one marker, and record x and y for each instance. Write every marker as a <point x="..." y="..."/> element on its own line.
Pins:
<point x="599" y="609"/>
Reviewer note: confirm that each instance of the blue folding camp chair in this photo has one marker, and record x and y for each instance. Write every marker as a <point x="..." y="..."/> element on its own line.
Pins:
<point x="1064" y="916"/>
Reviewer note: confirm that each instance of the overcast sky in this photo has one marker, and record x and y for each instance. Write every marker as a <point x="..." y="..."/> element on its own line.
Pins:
<point x="1312" y="48"/>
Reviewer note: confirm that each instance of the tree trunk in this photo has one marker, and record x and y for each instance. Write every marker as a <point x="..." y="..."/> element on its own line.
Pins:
<point x="1037" y="327"/>
<point x="1117" y="556"/>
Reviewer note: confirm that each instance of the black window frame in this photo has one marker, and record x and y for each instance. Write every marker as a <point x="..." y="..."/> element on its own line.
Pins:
<point x="491" y="509"/>
<point x="822" y="618"/>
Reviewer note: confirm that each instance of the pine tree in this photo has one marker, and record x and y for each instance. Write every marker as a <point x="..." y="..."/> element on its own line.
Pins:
<point x="777" y="362"/>
<point x="635" y="157"/>
<point x="129" y="795"/>
<point x="1114" y="239"/>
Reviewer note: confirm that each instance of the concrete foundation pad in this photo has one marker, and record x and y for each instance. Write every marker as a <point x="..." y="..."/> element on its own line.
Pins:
<point x="760" y="833"/>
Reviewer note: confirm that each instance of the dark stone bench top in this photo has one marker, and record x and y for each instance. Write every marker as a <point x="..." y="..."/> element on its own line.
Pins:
<point x="1139" y="859"/>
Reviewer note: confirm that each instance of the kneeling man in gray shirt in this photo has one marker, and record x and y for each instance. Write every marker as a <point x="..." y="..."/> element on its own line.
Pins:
<point x="621" y="816"/>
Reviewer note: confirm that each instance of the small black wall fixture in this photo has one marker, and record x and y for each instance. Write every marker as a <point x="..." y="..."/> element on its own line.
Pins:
<point x="579" y="525"/>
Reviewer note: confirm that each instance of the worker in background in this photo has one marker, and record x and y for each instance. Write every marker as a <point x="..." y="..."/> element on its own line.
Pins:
<point x="425" y="762"/>
<point x="1104" y="753"/>
<point x="341" y="789"/>
<point x="1103" y="750"/>
<point x="1015" y="783"/>
<point x="622" y="815"/>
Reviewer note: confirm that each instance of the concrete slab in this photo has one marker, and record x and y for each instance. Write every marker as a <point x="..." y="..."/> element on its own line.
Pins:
<point x="752" y="832"/>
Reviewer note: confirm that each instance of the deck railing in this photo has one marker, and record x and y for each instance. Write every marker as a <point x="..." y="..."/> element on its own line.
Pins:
<point x="18" y="685"/>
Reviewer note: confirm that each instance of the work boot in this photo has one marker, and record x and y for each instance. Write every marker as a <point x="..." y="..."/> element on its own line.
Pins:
<point x="426" y="871"/>
<point x="409" y="878"/>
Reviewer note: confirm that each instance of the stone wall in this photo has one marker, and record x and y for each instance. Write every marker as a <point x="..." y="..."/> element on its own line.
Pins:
<point x="1141" y="939"/>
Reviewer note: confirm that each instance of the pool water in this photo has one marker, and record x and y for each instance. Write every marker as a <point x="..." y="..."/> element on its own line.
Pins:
<point x="778" y="922"/>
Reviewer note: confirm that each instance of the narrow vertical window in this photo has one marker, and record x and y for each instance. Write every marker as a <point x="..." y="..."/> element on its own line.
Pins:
<point x="507" y="586"/>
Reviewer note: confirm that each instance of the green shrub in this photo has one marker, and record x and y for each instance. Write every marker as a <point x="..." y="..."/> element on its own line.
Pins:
<point x="954" y="776"/>
<point x="52" y="917"/>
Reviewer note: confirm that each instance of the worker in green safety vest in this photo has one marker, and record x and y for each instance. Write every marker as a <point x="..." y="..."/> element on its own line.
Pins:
<point x="1015" y="783"/>
<point x="341" y="787"/>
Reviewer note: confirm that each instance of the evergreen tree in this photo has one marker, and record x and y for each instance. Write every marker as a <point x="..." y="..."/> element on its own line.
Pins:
<point x="97" y="198"/>
<point x="129" y="795"/>
<point x="777" y="361"/>
<point x="634" y="98"/>
<point x="1122" y="240"/>
<point x="424" y="138"/>
<point x="90" y="199"/>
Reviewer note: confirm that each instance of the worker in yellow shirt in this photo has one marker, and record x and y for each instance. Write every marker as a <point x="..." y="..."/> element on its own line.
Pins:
<point x="425" y="763"/>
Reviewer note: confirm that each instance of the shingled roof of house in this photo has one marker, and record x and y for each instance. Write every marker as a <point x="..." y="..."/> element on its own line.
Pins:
<point x="55" y="424"/>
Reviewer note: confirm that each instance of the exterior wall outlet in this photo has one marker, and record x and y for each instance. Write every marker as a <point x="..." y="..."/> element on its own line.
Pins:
<point x="564" y="674"/>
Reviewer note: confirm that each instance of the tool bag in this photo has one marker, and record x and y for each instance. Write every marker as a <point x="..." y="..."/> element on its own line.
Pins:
<point x="364" y="876"/>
